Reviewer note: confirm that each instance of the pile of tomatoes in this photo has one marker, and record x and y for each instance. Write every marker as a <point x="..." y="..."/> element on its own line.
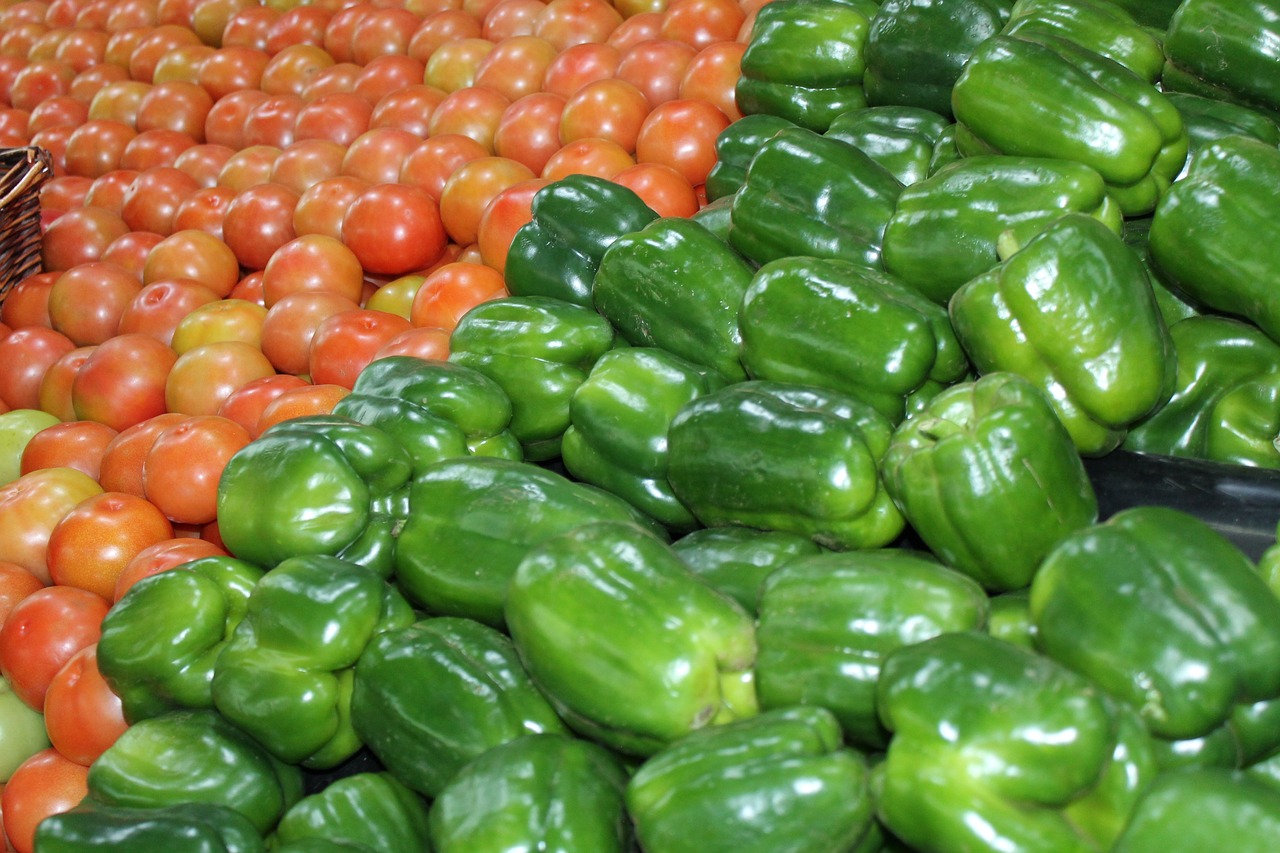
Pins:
<point x="249" y="203"/>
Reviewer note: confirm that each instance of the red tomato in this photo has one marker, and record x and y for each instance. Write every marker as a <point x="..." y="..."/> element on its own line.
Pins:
<point x="592" y="155"/>
<point x="511" y="18"/>
<point x="470" y="189"/>
<point x="345" y="343"/>
<point x="249" y="27"/>
<point x="529" y="130"/>
<point x="231" y="69"/>
<point x="298" y="25"/>
<point x="408" y="108"/>
<point x="107" y="191"/>
<point x="288" y="71"/>
<point x="121" y="469"/>
<point x="336" y="117"/>
<point x="518" y="64"/>
<point x="223" y="320"/>
<point x="502" y="217"/>
<point x="163" y="556"/>
<point x="702" y="22"/>
<point x="439" y="28"/>
<point x="337" y="78"/>
<point x="203" y="377"/>
<point x="245" y="404"/>
<point x="27" y="353"/>
<point x="41" y="634"/>
<point x="160" y="306"/>
<point x="565" y="23"/>
<point x="209" y="19"/>
<point x="312" y="262"/>
<point x="71" y="444"/>
<point x="306" y="162"/>
<point x="27" y="304"/>
<point x="682" y="134"/>
<point x="259" y="221"/>
<point x="92" y="80"/>
<point x="47" y="783"/>
<point x="272" y="122"/>
<point x="291" y="322"/>
<point x="80" y="236"/>
<point x="64" y="192"/>
<point x="472" y="111"/>
<point x="322" y="206"/>
<point x="612" y="109"/>
<point x="712" y="75"/>
<point x="375" y="156"/>
<point x="656" y="68"/>
<point x="386" y="74"/>
<point x="429" y="165"/>
<point x="642" y="20"/>
<point x="181" y="471"/>
<point x="87" y="301"/>
<point x="226" y="120"/>
<point x="177" y="106"/>
<point x="152" y="47"/>
<point x="394" y="229"/>
<point x="122" y="382"/>
<point x="96" y="146"/>
<point x="453" y="65"/>
<point x="451" y="291"/>
<point x="424" y="343"/>
<point x="82" y="714"/>
<point x="130" y="250"/>
<point x="91" y="545"/>
<point x="152" y="199"/>
<point x="204" y="162"/>
<point x="295" y="403"/>
<point x="251" y="166"/>
<point x="193" y="255"/>
<point x="55" y="388"/>
<point x="576" y="66"/>
<point x="16" y="583"/>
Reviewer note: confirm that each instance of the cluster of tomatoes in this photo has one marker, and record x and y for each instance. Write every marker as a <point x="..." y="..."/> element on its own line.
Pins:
<point x="249" y="203"/>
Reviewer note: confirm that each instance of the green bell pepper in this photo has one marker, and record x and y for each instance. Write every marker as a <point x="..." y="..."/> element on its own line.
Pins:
<point x="161" y="640"/>
<point x="1214" y="235"/>
<point x="1226" y="398"/>
<point x="736" y="145"/>
<point x="904" y="140"/>
<point x="780" y="782"/>
<point x="1150" y="13"/>
<point x="193" y="827"/>
<point x="574" y="219"/>
<point x="194" y="757"/>
<point x="474" y="519"/>
<point x="1208" y="120"/>
<point x="810" y="194"/>
<point x="676" y="286"/>
<point x="373" y="809"/>
<point x="617" y="437"/>
<point x="537" y="792"/>
<point x="812" y="652"/>
<point x="433" y="696"/>
<point x="538" y="349"/>
<point x="1225" y="49"/>
<point x="1164" y="613"/>
<point x="917" y="48"/>
<point x="785" y="457"/>
<point x="1039" y="95"/>
<point x="629" y="646"/>
<point x="436" y="409"/>
<point x="319" y="484"/>
<point x="285" y="674"/>
<point x="834" y="324"/>
<point x="1009" y="618"/>
<point x="1173" y="305"/>
<point x="804" y="60"/>
<point x="1196" y="809"/>
<point x="997" y="748"/>
<point x="1073" y="311"/>
<point x="22" y="731"/>
<point x="1099" y="25"/>
<point x="989" y="479"/>
<point x="736" y="560"/>
<point x="944" y="229"/>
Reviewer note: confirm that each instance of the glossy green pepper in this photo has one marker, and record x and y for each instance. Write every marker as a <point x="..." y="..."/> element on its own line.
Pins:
<point x="433" y="696"/>
<point x="804" y="61"/>
<point x="617" y="438"/>
<point x="1039" y="95"/>
<point x="373" y="809"/>
<point x="474" y="519"/>
<point x="538" y="349"/>
<point x="1164" y="613"/>
<point x="1209" y="119"/>
<point x="1214" y="235"/>
<point x="1073" y="311"/>
<point x="194" y="757"/>
<point x="1226" y="397"/>
<point x="1195" y="809"/>
<point x="837" y="325"/>
<point x="1225" y="49"/>
<point x="736" y="560"/>
<point x="788" y="457"/>
<point x="989" y="479"/>
<point x="161" y="640"/>
<point x="1151" y="13"/>
<point x="675" y="285"/>
<point x="813" y="653"/>
<point x="902" y="139"/>
<point x="630" y="647"/>
<point x="944" y="229"/>
<point x="1172" y="304"/>
<point x="810" y="194"/>
<point x="284" y="676"/>
<point x="997" y="748"/>
<point x="193" y="827"/>
<point x="436" y="409"/>
<point x="736" y="145"/>
<point x="779" y="782"/>
<point x="1099" y="25"/>
<point x="319" y="484"/>
<point x="574" y="219"/>
<point x="538" y="792"/>
<point x="917" y="48"/>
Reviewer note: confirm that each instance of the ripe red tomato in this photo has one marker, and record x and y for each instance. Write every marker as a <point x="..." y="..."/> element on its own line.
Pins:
<point x="291" y="322"/>
<point x="41" y="634"/>
<point x="203" y="377"/>
<point x="576" y="66"/>
<point x="431" y="164"/>
<point x="193" y="255"/>
<point x="82" y="714"/>
<point x="518" y="63"/>
<point x="656" y="67"/>
<point x="345" y="343"/>
<point x="408" y="108"/>
<point x="47" y="783"/>
<point x="80" y="236"/>
<point x="439" y="28"/>
<point x="702" y="22"/>
<point x="27" y="303"/>
<point x="470" y="189"/>
<point x="223" y="320"/>
<point x="565" y="23"/>
<point x="386" y="74"/>
<point x="453" y="65"/>
<point x="259" y="221"/>
<point x="502" y="217"/>
<point x="245" y="404"/>
<point x="375" y="156"/>
<point x="529" y="130"/>
<point x="16" y="583"/>
<point x="181" y="470"/>
<point x="55" y="388"/>
<point x="30" y="506"/>
<point x="425" y="343"/>
<point x="121" y="469"/>
<point x="204" y="162"/>
<point x="382" y="32"/>
<point x="661" y="187"/>
<point x="87" y="301"/>
<point x="451" y="291"/>
<point x="322" y="207"/>
<point x="91" y="545"/>
<point x="70" y="444"/>
<point x="130" y="250"/>
<point x="295" y="403"/>
<point x="159" y="307"/>
<point x="713" y="75"/>
<point x="250" y="166"/>
<point x="510" y="18"/>
<point x="273" y="121"/>
<point x="122" y="382"/>
<point x="27" y="353"/>
<point x="394" y="229"/>
<point x="152" y="199"/>
<point x="682" y="134"/>
<point x="312" y="262"/>
<point x="592" y="155"/>
<point x="288" y="71"/>
<point x="107" y="191"/>
<point x="163" y="556"/>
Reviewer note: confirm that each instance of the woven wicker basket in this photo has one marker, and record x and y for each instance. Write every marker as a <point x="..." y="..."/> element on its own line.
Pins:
<point x="23" y="172"/>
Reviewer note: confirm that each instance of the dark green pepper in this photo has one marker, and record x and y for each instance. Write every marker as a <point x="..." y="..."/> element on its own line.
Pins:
<point x="736" y="145"/>
<point x="1099" y="25"/>
<point x="1209" y="119"/>
<point x="1195" y="809"/>
<point x="902" y="139"/>
<point x="1225" y="49"/>
<point x="373" y="809"/>
<point x="193" y="827"/>
<point x="736" y="560"/>
<point x="1150" y="13"/>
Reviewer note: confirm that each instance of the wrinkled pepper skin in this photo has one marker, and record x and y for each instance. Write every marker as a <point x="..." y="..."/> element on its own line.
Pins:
<point x="474" y="520"/>
<point x="1073" y="311"/>
<point x="1214" y="235"/>
<point x="810" y="194"/>
<point x="319" y="484"/>
<point x="538" y="792"/>
<point x="1225" y="50"/>
<point x="904" y="140"/>
<point x="431" y="697"/>
<point x="736" y="146"/>
<point x="944" y="229"/>
<point x="161" y="640"/>
<point x="629" y="646"/>
<point x="812" y="653"/>
<point x="538" y="349"/>
<point x="373" y="809"/>
<point x="779" y="782"/>
<point x="736" y="560"/>
<point x="787" y="457"/>
<point x="574" y="219"/>
<point x="436" y="409"/>
<point x="989" y="479"/>
<point x="675" y="285"/>
<point x="917" y="48"/>
<point x="996" y="747"/>
<point x="834" y="324"/>
<point x="1099" y="25"/>
<point x="194" y="757"/>
<point x="1195" y="809"/>
<point x="1226" y="397"/>
<point x="285" y="674"/>
<point x="1164" y="613"/>
<point x="178" y="828"/>
<point x="804" y="61"/>
<point x="617" y="437"/>
<point x="1043" y="96"/>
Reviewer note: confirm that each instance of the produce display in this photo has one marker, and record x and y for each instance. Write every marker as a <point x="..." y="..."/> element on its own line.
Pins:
<point x="794" y="426"/>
